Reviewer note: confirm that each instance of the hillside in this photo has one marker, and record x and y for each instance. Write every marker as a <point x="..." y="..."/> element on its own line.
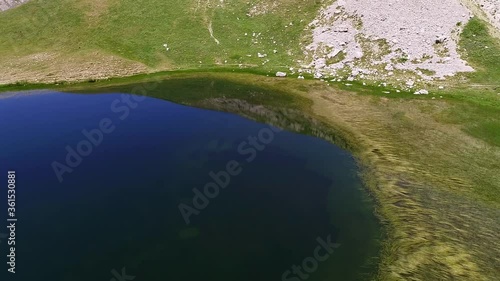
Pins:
<point x="344" y="40"/>
<point x="106" y="38"/>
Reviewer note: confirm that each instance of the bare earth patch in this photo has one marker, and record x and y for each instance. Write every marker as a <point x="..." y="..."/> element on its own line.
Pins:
<point x="94" y="10"/>
<point x="38" y="68"/>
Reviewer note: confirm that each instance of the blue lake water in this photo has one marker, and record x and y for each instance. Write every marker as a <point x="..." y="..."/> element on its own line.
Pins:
<point x="114" y="208"/>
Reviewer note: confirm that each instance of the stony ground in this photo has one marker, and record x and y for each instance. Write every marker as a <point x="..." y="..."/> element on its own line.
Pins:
<point x="492" y="10"/>
<point x="8" y="4"/>
<point x="384" y="38"/>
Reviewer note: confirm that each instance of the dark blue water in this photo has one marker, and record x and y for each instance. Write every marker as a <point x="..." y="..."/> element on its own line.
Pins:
<point x="115" y="214"/>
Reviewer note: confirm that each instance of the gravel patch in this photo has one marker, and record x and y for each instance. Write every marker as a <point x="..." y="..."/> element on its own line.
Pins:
<point x="9" y="4"/>
<point x="492" y="10"/>
<point x="387" y="36"/>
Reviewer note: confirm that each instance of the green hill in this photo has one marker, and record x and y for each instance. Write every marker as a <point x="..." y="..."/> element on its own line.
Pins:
<point x="133" y="34"/>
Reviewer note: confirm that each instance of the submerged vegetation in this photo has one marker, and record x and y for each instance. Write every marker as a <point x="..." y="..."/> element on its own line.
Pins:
<point x="431" y="162"/>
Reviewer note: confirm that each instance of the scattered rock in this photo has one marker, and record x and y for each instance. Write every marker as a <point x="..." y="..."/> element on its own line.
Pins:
<point x="9" y="4"/>
<point x="422" y="92"/>
<point x="341" y="28"/>
<point x="440" y="39"/>
<point x="408" y="43"/>
<point x="280" y="74"/>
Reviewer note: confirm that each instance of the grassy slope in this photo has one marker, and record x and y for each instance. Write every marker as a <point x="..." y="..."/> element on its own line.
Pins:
<point x="137" y="30"/>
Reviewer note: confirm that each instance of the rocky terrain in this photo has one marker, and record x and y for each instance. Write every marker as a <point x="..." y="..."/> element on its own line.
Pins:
<point x="492" y="10"/>
<point x="8" y="4"/>
<point x="363" y="38"/>
<point x="397" y="42"/>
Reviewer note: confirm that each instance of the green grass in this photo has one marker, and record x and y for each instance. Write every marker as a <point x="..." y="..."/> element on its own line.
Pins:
<point x="482" y="52"/>
<point x="477" y="103"/>
<point x="137" y="30"/>
<point x="487" y="130"/>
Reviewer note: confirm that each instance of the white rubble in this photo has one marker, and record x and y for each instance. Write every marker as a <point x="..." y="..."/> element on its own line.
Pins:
<point x="346" y="32"/>
<point x="9" y="4"/>
<point x="421" y="92"/>
<point x="492" y="10"/>
<point x="280" y="74"/>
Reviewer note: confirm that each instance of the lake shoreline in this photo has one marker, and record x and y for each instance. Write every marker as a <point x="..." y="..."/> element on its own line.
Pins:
<point x="370" y="126"/>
